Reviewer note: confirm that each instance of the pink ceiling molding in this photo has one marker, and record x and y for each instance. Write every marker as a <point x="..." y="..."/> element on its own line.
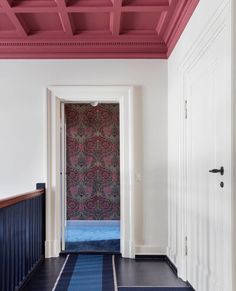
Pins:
<point x="92" y="28"/>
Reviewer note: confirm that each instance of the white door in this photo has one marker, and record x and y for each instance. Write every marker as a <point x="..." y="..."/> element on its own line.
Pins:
<point x="208" y="129"/>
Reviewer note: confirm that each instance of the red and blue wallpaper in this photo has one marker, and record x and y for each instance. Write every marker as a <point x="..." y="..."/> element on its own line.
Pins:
<point x="93" y="162"/>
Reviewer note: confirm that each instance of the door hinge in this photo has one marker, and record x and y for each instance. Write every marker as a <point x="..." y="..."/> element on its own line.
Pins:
<point x="186" y="246"/>
<point x="61" y="127"/>
<point x="185" y="109"/>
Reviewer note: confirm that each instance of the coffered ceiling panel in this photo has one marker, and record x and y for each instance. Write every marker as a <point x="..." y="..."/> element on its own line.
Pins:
<point x="92" y="28"/>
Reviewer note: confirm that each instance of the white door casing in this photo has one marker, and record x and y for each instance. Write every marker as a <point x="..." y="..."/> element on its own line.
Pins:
<point x="63" y="180"/>
<point x="129" y="157"/>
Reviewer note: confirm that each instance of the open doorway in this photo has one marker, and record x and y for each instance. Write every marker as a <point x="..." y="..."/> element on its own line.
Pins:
<point x="130" y="162"/>
<point x="92" y="177"/>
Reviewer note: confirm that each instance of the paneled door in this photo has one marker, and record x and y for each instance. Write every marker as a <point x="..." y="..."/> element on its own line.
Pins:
<point x="208" y="169"/>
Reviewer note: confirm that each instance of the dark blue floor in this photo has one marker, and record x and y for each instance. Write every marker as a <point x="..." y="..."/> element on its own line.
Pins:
<point x="100" y="236"/>
<point x="131" y="275"/>
<point x="87" y="273"/>
<point x="154" y="274"/>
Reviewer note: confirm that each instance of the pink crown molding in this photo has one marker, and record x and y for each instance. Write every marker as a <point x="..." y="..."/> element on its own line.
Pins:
<point x="180" y="26"/>
<point x="37" y="36"/>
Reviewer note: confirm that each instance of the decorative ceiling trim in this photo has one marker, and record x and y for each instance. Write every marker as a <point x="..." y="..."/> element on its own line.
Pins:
<point x="73" y="43"/>
<point x="92" y="29"/>
<point x="180" y="25"/>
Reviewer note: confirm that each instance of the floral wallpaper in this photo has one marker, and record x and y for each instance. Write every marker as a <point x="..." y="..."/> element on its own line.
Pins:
<point x="93" y="162"/>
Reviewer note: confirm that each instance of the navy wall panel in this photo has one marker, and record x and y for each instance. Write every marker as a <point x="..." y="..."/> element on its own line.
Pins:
<point x="22" y="236"/>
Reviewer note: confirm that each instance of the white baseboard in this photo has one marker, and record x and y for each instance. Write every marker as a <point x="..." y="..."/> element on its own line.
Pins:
<point x="128" y="249"/>
<point x="52" y="248"/>
<point x="171" y="255"/>
<point x="150" y="250"/>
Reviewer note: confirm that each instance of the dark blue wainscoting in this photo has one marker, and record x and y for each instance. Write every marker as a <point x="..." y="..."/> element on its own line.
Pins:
<point x="22" y="236"/>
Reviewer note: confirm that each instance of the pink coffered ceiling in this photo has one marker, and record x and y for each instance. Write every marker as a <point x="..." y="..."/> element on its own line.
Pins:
<point x="92" y="28"/>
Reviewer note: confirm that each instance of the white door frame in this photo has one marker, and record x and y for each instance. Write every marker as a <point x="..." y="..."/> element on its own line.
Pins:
<point x="63" y="180"/>
<point x="124" y="95"/>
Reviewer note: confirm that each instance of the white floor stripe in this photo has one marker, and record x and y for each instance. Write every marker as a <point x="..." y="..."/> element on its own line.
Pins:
<point x="114" y="273"/>
<point x="153" y="287"/>
<point x="59" y="276"/>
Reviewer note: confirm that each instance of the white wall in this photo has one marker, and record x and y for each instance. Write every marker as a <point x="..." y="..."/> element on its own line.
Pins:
<point x="195" y="37"/>
<point x="23" y="127"/>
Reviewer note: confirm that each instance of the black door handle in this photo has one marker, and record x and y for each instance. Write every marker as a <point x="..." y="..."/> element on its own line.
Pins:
<point x="221" y="171"/>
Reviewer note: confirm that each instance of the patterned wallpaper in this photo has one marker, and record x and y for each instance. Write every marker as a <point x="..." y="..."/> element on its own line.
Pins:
<point x="93" y="172"/>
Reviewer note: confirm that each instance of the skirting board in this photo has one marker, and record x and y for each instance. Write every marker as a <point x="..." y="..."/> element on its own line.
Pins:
<point x="52" y="248"/>
<point x="150" y="250"/>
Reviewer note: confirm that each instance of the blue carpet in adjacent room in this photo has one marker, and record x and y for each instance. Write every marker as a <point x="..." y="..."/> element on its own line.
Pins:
<point x="92" y="235"/>
<point x="86" y="273"/>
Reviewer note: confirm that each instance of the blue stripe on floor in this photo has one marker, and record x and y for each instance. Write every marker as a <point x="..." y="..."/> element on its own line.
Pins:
<point x="87" y="274"/>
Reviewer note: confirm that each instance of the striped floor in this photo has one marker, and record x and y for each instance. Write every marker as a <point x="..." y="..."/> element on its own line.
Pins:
<point x="97" y="272"/>
<point x="87" y="273"/>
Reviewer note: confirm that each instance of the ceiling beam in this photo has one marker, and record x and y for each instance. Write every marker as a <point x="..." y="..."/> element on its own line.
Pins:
<point x="41" y="8"/>
<point x="21" y="28"/>
<point x="70" y="9"/>
<point x="115" y="17"/>
<point x="161" y="22"/>
<point x="161" y="29"/>
<point x="156" y="8"/>
<point x="33" y="9"/>
<point x="175" y="16"/>
<point x="65" y="18"/>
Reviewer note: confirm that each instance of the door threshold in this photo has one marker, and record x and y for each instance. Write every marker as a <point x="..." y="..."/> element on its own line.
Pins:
<point x="65" y="253"/>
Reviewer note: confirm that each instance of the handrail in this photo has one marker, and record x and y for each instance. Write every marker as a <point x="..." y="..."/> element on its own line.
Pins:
<point x="5" y="202"/>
